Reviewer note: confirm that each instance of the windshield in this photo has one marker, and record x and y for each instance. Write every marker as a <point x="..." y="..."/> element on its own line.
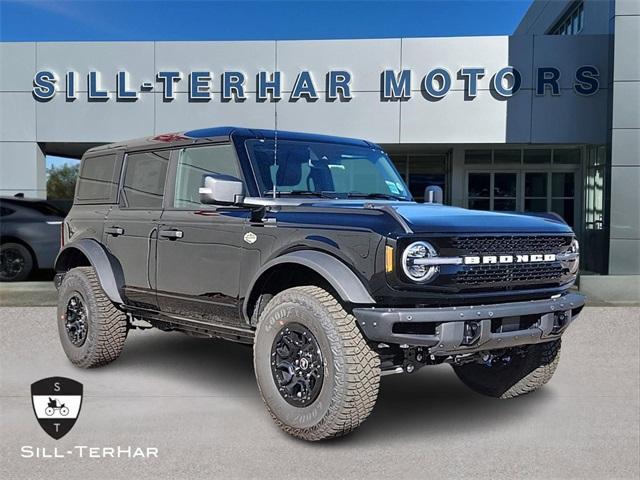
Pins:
<point x="325" y="170"/>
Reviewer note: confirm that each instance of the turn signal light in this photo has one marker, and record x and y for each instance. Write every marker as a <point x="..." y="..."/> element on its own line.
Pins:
<point x="388" y="259"/>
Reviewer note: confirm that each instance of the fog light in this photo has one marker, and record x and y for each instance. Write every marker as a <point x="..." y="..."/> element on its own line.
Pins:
<point x="471" y="333"/>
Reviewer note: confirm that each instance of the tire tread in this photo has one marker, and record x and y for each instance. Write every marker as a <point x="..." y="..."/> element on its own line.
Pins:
<point x="352" y="402"/>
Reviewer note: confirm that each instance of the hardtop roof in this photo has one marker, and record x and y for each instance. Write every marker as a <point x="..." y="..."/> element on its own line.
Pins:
<point x="217" y="133"/>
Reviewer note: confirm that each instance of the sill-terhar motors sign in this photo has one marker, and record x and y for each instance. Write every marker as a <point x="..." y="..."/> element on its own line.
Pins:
<point x="337" y="84"/>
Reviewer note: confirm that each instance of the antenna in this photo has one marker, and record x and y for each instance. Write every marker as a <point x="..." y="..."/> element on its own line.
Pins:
<point x="275" y="152"/>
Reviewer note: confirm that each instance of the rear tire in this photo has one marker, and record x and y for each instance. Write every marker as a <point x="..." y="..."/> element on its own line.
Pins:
<point x="92" y="329"/>
<point x="346" y="388"/>
<point x="16" y="262"/>
<point x="522" y="375"/>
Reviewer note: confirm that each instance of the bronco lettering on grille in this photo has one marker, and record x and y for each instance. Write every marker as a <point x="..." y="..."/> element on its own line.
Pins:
<point x="494" y="259"/>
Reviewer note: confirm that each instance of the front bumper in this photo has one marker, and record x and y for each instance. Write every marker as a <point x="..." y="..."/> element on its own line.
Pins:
<point x="457" y="330"/>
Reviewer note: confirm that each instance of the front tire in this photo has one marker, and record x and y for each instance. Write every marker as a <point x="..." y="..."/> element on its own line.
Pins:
<point x="317" y="375"/>
<point x="92" y="329"/>
<point x="521" y="375"/>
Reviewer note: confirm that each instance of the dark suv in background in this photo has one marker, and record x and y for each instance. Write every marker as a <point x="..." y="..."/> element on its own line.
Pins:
<point x="312" y="249"/>
<point x="29" y="236"/>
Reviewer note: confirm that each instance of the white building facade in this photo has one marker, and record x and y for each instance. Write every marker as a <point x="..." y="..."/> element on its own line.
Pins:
<point x="545" y="119"/>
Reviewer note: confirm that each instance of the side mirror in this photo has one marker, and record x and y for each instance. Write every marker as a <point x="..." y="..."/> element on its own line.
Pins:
<point x="433" y="194"/>
<point x="221" y="190"/>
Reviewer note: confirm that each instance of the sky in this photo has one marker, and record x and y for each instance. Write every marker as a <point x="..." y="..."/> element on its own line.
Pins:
<point x="89" y="20"/>
<point x="73" y="20"/>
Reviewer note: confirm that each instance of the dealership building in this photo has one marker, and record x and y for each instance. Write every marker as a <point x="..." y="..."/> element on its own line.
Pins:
<point x="546" y="119"/>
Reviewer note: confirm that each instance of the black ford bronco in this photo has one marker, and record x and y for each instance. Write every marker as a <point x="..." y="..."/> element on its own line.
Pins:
<point x="311" y="249"/>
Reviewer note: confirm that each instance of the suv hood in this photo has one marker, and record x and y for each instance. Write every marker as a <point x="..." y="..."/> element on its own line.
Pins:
<point x="435" y="218"/>
<point x="418" y="217"/>
<point x="426" y="218"/>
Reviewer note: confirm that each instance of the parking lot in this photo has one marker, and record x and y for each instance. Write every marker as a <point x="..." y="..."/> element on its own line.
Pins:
<point x="196" y="401"/>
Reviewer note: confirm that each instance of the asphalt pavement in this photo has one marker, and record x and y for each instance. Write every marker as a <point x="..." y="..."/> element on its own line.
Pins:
<point x="196" y="401"/>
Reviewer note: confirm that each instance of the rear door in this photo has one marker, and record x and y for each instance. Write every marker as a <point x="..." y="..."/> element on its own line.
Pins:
<point x="200" y="246"/>
<point x="130" y="230"/>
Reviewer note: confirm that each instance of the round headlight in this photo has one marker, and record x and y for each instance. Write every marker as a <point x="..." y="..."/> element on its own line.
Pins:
<point x="412" y="265"/>
<point x="573" y="262"/>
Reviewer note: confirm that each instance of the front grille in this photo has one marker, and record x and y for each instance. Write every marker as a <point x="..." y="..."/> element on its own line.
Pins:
<point x="509" y="244"/>
<point x="509" y="275"/>
<point x="503" y="276"/>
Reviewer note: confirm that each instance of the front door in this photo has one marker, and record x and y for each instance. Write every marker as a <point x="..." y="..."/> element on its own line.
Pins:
<point x="200" y="246"/>
<point x="131" y="229"/>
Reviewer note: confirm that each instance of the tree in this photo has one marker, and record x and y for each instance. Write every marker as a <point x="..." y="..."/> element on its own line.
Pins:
<point x="61" y="181"/>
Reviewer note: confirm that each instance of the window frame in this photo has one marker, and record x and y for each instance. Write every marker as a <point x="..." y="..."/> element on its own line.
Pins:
<point x="121" y="199"/>
<point x="116" y="178"/>
<point x="564" y="25"/>
<point x="172" y="175"/>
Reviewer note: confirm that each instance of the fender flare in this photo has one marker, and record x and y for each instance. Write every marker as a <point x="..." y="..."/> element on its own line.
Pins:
<point x="107" y="268"/>
<point x="346" y="283"/>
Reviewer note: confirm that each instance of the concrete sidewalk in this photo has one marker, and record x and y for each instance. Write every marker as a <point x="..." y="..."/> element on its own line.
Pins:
<point x="28" y="294"/>
<point x="196" y="401"/>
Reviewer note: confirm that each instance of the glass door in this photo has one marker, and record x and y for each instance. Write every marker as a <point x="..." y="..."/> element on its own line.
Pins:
<point x="551" y="192"/>
<point x="541" y="192"/>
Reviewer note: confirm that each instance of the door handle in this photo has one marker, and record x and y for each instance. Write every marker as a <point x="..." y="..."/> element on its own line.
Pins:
<point x="171" y="234"/>
<point x="115" y="231"/>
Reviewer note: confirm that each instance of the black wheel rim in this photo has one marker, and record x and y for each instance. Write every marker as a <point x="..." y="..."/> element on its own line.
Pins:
<point x="11" y="263"/>
<point x="76" y="320"/>
<point x="297" y="365"/>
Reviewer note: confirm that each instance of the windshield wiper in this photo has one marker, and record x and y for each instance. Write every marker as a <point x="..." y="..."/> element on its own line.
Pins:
<point x="385" y="196"/>
<point x="309" y="193"/>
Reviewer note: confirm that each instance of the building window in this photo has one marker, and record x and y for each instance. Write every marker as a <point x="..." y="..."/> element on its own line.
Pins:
<point x="492" y="191"/>
<point x="536" y="179"/>
<point x="422" y="170"/>
<point x="571" y="22"/>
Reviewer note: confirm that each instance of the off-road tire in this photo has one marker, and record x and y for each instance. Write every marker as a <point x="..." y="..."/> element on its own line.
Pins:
<point x="351" y="369"/>
<point x="107" y="326"/>
<point x="521" y="376"/>
<point x="27" y="265"/>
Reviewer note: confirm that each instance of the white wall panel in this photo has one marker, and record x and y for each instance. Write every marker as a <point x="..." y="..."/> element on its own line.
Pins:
<point x="17" y="116"/>
<point x="83" y="121"/>
<point x="17" y="66"/>
<point x="627" y="48"/>
<point x="456" y="120"/>
<point x="363" y="117"/>
<point x="626" y="98"/>
<point x="105" y="57"/>
<point x="364" y="59"/>
<point x="22" y="169"/>
<point x="493" y="53"/>
<point x="216" y="57"/>
<point x="174" y="117"/>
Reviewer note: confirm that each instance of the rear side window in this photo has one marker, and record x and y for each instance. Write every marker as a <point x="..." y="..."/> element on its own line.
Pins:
<point x="144" y="178"/>
<point x="98" y="179"/>
<point x="194" y="164"/>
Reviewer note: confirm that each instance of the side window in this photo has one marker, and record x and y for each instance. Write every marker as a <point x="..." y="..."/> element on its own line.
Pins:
<point x="98" y="179"/>
<point x="144" y="178"/>
<point x="194" y="164"/>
